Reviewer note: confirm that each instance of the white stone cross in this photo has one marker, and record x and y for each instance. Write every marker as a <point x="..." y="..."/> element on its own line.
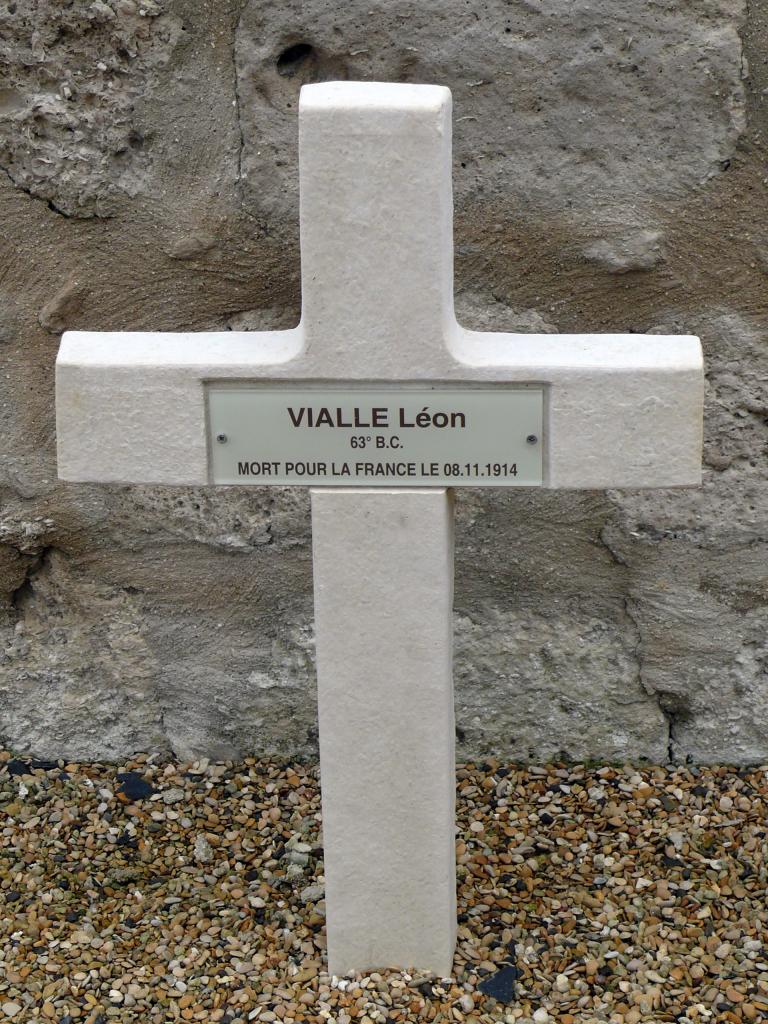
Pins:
<point x="377" y="289"/>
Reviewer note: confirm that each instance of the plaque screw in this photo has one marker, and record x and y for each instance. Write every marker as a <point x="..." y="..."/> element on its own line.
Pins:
<point x="221" y="438"/>
<point x="532" y="439"/>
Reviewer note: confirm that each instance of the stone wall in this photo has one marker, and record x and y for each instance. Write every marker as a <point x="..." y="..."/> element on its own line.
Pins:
<point x="610" y="173"/>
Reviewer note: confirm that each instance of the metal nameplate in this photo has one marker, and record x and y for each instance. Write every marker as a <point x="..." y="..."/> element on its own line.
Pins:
<point x="376" y="435"/>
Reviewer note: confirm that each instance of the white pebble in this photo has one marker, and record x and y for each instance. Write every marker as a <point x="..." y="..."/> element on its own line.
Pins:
<point x="561" y="983"/>
<point x="115" y="996"/>
<point x="11" y="1009"/>
<point x="676" y="838"/>
<point x="541" y="1016"/>
<point x="467" y="1003"/>
<point x="203" y="851"/>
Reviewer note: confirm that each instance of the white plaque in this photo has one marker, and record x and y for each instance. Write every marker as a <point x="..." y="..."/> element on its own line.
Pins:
<point x="387" y="435"/>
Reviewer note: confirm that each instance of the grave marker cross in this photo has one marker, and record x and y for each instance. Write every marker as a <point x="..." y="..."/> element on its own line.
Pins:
<point x="377" y="294"/>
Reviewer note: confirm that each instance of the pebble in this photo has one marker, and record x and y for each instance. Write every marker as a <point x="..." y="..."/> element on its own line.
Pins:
<point x="196" y="893"/>
<point x="312" y="893"/>
<point x="202" y="850"/>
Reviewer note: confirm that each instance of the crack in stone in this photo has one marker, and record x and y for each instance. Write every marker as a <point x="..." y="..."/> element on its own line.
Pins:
<point x="629" y="611"/>
<point x="50" y="203"/>
<point x="164" y="731"/>
<point x="238" y="110"/>
<point x="40" y="199"/>
<point x="39" y="562"/>
<point x="671" y="734"/>
<point x="131" y="591"/>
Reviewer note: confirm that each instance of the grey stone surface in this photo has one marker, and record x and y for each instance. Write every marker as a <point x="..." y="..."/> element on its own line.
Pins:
<point x="74" y="75"/>
<point x="609" y="174"/>
<point x="594" y="107"/>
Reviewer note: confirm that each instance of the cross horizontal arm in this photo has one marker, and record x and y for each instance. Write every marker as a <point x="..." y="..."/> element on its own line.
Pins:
<point x="621" y="410"/>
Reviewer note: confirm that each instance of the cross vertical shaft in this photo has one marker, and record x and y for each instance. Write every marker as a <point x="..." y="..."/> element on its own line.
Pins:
<point x="383" y="569"/>
<point x="377" y="294"/>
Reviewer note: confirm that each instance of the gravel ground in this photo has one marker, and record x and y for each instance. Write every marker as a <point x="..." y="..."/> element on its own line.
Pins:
<point x="162" y="892"/>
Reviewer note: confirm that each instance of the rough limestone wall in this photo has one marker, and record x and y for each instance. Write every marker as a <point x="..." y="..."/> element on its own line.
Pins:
<point x="610" y="173"/>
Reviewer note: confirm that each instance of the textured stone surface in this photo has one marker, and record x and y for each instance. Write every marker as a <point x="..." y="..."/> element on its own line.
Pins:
<point x="591" y="105"/>
<point x="75" y="73"/>
<point x="646" y="613"/>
